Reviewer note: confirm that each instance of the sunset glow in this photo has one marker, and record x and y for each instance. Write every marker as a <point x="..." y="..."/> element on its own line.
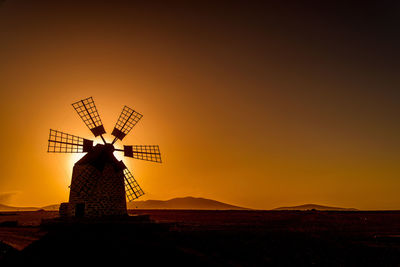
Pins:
<point x="255" y="108"/>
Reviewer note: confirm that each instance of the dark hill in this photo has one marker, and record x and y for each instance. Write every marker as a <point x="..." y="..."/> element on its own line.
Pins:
<point x="51" y="207"/>
<point x="10" y="208"/>
<point x="314" y="207"/>
<point x="190" y="203"/>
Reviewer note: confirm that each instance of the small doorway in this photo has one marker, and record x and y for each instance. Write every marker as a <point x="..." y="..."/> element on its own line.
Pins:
<point x="79" y="210"/>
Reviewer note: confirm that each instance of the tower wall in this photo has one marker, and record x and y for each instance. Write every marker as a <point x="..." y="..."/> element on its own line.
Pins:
<point x="97" y="192"/>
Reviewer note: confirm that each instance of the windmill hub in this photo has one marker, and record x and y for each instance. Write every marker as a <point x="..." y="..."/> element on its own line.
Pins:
<point x="100" y="183"/>
<point x="108" y="147"/>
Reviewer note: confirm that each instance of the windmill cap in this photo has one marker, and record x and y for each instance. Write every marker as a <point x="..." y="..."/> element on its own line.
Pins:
<point x="100" y="156"/>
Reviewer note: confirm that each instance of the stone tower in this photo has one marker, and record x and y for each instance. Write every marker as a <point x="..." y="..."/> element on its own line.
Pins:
<point x="97" y="185"/>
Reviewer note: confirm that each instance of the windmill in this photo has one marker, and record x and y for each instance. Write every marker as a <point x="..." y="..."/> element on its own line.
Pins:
<point x="101" y="184"/>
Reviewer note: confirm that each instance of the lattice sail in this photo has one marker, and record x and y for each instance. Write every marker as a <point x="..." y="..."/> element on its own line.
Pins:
<point x="126" y="121"/>
<point x="60" y="142"/>
<point x="143" y="152"/>
<point x="88" y="112"/>
<point x="132" y="188"/>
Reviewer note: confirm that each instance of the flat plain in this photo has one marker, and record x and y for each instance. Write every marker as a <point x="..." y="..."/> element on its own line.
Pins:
<point x="208" y="238"/>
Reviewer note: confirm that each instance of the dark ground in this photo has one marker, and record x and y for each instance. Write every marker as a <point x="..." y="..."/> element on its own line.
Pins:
<point x="208" y="238"/>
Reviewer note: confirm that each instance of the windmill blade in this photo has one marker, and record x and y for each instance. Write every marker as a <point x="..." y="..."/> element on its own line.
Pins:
<point x="127" y="119"/>
<point x="143" y="152"/>
<point x="60" y="142"/>
<point x="88" y="112"/>
<point x="132" y="188"/>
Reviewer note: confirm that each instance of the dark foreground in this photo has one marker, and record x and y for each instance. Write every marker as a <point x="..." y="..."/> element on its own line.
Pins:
<point x="207" y="238"/>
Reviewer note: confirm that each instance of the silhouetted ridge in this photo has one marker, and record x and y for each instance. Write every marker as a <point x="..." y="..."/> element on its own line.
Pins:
<point x="183" y="203"/>
<point x="314" y="207"/>
<point x="11" y="208"/>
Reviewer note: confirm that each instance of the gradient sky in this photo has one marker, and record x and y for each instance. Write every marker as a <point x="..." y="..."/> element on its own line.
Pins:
<point x="255" y="104"/>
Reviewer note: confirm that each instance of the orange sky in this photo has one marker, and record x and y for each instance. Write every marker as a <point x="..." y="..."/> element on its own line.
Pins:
<point x="258" y="106"/>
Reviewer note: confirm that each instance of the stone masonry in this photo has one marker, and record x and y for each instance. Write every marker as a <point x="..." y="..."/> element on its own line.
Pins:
<point x="97" y="186"/>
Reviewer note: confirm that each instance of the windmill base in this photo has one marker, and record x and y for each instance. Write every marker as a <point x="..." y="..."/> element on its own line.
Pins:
<point x="85" y="210"/>
<point x="67" y="210"/>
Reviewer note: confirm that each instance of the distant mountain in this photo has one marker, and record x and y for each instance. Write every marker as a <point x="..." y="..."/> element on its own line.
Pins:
<point x="51" y="207"/>
<point x="10" y="208"/>
<point x="188" y="203"/>
<point x="314" y="207"/>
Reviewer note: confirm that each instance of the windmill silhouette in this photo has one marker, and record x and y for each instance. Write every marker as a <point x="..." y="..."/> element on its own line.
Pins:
<point x="100" y="183"/>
